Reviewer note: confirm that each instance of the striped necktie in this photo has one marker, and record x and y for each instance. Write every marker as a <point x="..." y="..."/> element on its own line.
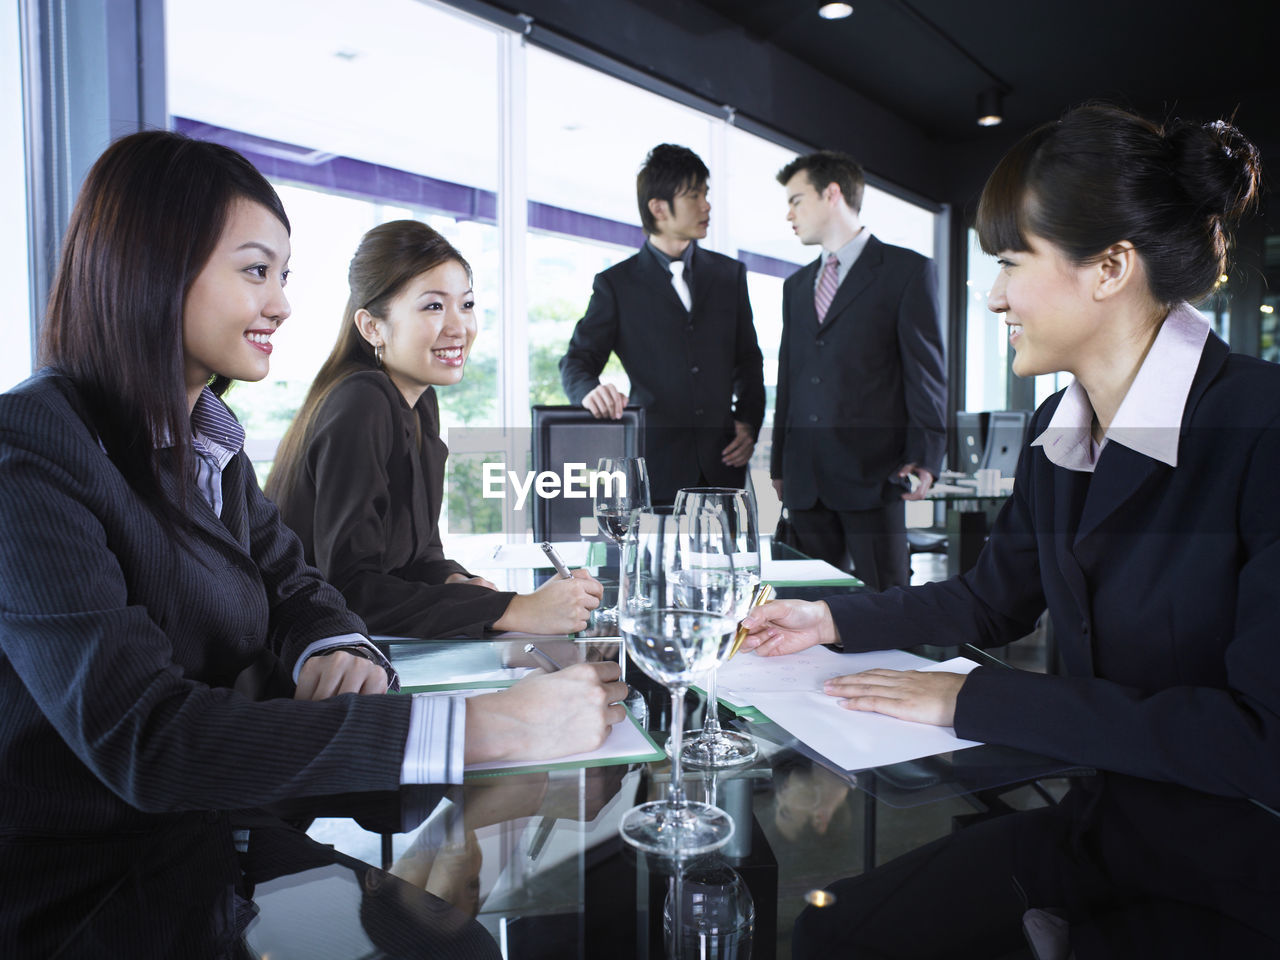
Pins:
<point x="827" y="284"/>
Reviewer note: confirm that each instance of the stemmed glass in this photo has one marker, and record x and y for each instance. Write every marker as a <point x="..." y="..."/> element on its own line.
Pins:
<point x="619" y="488"/>
<point x="709" y="913"/>
<point x="675" y="617"/>
<point x="713" y="746"/>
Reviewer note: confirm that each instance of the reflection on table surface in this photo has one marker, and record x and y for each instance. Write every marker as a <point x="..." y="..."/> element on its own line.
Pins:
<point x="531" y="865"/>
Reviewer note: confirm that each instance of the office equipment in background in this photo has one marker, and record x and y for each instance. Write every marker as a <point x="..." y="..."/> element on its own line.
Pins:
<point x="1006" y="434"/>
<point x="568" y="434"/>
<point x="968" y="441"/>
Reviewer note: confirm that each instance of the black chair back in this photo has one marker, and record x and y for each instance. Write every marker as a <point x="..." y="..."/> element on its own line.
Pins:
<point x="567" y="435"/>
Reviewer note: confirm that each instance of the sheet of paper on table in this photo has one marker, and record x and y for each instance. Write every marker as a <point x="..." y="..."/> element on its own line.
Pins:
<point x="626" y="743"/>
<point x="801" y="571"/>
<point x="788" y="690"/>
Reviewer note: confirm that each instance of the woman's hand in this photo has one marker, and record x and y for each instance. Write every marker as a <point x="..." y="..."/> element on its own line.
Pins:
<point x="477" y="581"/>
<point x="546" y="715"/>
<point x="327" y="676"/>
<point x="788" y="626"/>
<point x="923" y="696"/>
<point x="558" y="606"/>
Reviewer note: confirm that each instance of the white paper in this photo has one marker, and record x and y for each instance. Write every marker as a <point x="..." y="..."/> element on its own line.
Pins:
<point x="529" y="556"/>
<point x="790" y="695"/>
<point x="625" y="742"/>
<point x="746" y="675"/>
<point x="799" y="571"/>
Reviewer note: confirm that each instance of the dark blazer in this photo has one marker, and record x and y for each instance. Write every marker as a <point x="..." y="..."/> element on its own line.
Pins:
<point x="119" y="647"/>
<point x="1162" y="587"/>
<point x="686" y="366"/>
<point x="366" y="505"/>
<point x="866" y="392"/>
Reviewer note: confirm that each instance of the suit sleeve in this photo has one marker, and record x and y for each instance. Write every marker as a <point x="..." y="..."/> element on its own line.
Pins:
<point x="748" y="363"/>
<point x="592" y="341"/>
<point x="995" y="603"/>
<point x="1219" y="740"/>
<point x="923" y="371"/>
<point x="101" y="672"/>
<point x="349" y="450"/>
<point x="304" y="607"/>
<point x="782" y="394"/>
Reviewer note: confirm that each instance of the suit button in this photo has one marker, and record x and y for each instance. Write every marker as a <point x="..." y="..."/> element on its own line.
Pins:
<point x="698" y="412"/>
<point x="813" y="418"/>
<point x="820" y="343"/>
<point x="1084" y="627"/>
<point x="693" y="369"/>
<point x="815" y="379"/>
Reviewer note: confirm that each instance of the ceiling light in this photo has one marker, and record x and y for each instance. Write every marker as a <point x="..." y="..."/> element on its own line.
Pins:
<point x="1267" y="308"/>
<point x="835" y="11"/>
<point x="990" y="107"/>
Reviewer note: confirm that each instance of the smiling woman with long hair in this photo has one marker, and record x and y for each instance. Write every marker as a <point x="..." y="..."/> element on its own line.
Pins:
<point x="360" y="472"/>
<point x="144" y="576"/>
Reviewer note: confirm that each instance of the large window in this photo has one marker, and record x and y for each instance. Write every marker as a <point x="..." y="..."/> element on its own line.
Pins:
<point x="15" y="312"/>
<point x="403" y="108"/>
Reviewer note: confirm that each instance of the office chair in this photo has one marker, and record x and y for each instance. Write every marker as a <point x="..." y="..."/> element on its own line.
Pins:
<point x="1006" y="434"/>
<point x="567" y="434"/>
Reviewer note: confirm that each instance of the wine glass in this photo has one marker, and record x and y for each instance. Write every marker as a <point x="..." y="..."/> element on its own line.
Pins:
<point x="709" y="913"/>
<point x="675" y="616"/>
<point x="620" y="487"/>
<point x="713" y="746"/>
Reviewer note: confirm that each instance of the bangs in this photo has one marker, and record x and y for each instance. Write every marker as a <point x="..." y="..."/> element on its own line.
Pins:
<point x="1003" y="208"/>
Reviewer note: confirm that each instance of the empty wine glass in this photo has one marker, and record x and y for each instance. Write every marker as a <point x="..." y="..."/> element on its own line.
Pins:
<point x="676" y="597"/>
<point x="619" y="487"/>
<point x="713" y="746"/>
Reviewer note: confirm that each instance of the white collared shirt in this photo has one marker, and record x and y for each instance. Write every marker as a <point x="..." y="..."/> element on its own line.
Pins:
<point x="1149" y="420"/>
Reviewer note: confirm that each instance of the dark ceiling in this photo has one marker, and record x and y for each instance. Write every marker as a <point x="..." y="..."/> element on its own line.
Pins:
<point x="927" y="60"/>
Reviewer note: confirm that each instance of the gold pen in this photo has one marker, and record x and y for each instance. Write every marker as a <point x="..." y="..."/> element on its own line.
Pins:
<point x="763" y="594"/>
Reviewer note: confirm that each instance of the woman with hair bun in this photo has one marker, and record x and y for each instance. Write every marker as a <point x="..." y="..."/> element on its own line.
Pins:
<point x="360" y="473"/>
<point x="1144" y="516"/>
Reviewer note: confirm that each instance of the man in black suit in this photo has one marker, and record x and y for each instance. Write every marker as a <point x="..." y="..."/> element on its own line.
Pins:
<point x="861" y="402"/>
<point x="679" y="319"/>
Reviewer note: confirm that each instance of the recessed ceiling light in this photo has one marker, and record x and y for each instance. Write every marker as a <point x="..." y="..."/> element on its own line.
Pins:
<point x="990" y="107"/>
<point x="346" y="54"/>
<point x="835" y="11"/>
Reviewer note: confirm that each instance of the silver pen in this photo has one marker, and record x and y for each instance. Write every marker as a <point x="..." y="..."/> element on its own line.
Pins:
<point x="547" y="663"/>
<point x="556" y="562"/>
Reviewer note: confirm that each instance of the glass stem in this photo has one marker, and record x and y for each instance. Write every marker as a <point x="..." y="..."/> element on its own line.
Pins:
<point x="711" y="722"/>
<point x="675" y="792"/>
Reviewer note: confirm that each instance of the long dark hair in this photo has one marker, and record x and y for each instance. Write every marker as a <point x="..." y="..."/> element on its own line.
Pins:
<point x="388" y="257"/>
<point x="147" y="220"/>
<point x="1101" y="175"/>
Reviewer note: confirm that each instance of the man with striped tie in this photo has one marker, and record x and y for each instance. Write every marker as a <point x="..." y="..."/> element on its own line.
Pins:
<point x="860" y="418"/>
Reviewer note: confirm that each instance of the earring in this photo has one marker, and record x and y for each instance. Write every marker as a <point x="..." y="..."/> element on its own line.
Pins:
<point x="377" y="354"/>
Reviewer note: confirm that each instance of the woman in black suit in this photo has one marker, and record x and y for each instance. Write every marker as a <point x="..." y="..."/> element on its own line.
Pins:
<point x="1144" y="517"/>
<point x="142" y="573"/>
<point x="360" y="473"/>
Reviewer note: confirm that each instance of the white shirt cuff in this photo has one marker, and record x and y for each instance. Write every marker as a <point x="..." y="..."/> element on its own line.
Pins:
<point x="433" y="751"/>
<point x="348" y="640"/>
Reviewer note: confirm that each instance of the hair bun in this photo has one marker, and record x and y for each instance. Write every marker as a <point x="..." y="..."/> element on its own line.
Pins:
<point x="1217" y="166"/>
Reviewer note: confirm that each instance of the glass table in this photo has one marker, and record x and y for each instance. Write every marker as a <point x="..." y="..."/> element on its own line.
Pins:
<point x="530" y="865"/>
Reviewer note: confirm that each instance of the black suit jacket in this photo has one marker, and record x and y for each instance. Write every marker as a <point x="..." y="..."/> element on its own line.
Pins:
<point x="366" y="505"/>
<point x="865" y="393"/>
<point x="1162" y="586"/>
<point x="119" y="648"/>
<point x="686" y="366"/>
